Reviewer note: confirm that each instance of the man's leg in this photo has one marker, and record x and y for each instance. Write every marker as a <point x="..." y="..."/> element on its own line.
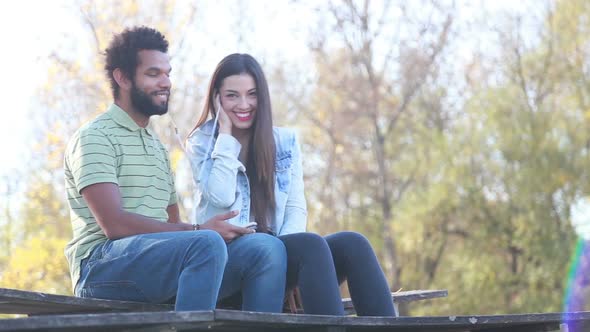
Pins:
<point x="355" y="261"/>
<point x="156" y="268"/>
<point x="257" y="265"/>
<point x="310" y="266"/>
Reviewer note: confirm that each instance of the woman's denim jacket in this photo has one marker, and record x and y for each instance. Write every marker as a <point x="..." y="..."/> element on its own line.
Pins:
<point x="222" y="184"/>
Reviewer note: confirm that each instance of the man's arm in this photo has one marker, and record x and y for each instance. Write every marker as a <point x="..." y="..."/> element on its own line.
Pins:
<point x="104" y="201"/>
<point x="173" y="213"/>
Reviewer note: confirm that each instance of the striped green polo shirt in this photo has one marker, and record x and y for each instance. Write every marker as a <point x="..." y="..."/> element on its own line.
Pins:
<point x="113" y="148"/>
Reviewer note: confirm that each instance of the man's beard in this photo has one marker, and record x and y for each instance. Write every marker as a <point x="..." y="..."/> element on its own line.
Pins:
<point x="144" y="104"/>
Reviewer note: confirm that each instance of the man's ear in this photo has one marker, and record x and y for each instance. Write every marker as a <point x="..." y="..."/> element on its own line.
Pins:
<point x="122" y="79"/>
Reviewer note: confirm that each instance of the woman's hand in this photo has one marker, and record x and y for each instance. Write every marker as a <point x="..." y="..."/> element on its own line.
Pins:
<point x="225" y="124"/>
<point x="293" y="299"/>
<point x="227" y="231"/>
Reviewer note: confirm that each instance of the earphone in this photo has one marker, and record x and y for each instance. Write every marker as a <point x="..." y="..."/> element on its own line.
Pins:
<point x="176" y="134"/>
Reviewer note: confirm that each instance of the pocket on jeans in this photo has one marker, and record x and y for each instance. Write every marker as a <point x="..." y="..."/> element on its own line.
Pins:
<point x="114" y="290"/>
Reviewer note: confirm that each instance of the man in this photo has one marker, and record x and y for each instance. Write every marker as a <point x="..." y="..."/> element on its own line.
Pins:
<point x="129" y="242"/>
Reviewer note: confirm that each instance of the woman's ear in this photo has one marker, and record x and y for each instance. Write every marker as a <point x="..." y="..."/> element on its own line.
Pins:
<point x="121" y="79"/>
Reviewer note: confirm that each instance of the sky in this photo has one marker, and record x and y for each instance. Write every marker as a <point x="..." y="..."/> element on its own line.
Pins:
<point x="19" y="29"/>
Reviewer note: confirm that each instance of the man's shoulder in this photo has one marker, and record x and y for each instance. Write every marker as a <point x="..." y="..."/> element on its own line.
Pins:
<point x="93" y="130"/>
<point x="100" y="125"/>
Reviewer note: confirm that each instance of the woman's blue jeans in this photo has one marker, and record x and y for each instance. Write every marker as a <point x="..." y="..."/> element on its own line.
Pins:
<point x="318" y="265"/>
<point x="194" y="269"/>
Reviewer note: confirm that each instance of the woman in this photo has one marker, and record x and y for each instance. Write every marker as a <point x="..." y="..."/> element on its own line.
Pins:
<point x="241" y="162"/>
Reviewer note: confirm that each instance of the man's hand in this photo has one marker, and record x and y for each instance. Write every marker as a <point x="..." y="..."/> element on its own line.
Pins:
<point x="227" y="231"/>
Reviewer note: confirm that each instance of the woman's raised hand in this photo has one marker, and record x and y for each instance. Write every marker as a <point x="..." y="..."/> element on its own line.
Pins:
<point x="225" y="124"/>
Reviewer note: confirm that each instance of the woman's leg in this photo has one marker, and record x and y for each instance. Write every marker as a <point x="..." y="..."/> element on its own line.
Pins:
<point x="355" y="261"/>
<point x="256" y="266"/>
<point x="310" y="267"/>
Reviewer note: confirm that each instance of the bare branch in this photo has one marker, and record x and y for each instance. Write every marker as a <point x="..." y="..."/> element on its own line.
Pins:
<point x="415" y="87"/>
<point x="89" y="22"/>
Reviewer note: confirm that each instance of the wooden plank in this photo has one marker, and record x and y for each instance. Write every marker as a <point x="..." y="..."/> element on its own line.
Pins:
<point x="405" y="296"/>
<point x="417" y="295"/>
<point x="157" y="321"/>
<point x="228" y="320"/>
<point x="490" y="323"/>
<point x="13" y="301"/>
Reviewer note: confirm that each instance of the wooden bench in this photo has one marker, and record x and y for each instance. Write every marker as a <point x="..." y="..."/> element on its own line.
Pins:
<point x="236" y="321"/>
<point x="50" y="312"/>
<point x="13" y="301"/>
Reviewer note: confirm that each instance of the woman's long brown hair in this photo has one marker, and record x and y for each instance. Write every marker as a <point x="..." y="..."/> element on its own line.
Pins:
<point x="260" y="167"/>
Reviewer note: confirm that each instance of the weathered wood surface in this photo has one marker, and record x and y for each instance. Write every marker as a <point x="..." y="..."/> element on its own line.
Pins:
<point x="405" y="296"/>
<point x="227" y="320"/>
<point x="13" y="301"/>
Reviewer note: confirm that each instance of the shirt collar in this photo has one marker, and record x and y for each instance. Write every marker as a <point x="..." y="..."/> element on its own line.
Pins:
<point x="123" y="119"/>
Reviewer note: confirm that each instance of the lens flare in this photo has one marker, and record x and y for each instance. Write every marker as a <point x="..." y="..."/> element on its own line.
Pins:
<point x="571" y="301"/>
<point x="578" y="276"/>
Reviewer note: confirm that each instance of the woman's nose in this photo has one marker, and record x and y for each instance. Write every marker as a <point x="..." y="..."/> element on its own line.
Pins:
<point x="243" y="102"/>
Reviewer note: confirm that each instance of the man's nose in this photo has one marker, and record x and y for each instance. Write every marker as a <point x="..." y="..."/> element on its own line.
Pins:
<point x="165" y="82"/>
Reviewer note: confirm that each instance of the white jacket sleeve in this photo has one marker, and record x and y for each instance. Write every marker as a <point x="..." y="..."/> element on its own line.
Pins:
<point x="215" y="172"/>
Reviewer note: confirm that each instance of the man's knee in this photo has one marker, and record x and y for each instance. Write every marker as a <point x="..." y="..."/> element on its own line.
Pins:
<point x="210" y="243"/>
<point x="212" y="236"/>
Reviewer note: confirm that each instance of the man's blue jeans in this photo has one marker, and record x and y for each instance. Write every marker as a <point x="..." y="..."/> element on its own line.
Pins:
<point x="195" y="268"/>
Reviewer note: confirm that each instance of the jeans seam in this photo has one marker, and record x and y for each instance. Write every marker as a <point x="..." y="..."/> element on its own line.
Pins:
<point x="96" y="285"/>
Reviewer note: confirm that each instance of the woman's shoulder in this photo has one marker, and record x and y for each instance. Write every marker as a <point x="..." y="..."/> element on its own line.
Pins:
<point x="284" y="135"/>
<point x="285" y="139"/>
<point x="206" y="129"/>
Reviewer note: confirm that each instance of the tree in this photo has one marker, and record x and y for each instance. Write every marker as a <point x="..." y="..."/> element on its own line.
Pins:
<point x="375" y="65"/>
